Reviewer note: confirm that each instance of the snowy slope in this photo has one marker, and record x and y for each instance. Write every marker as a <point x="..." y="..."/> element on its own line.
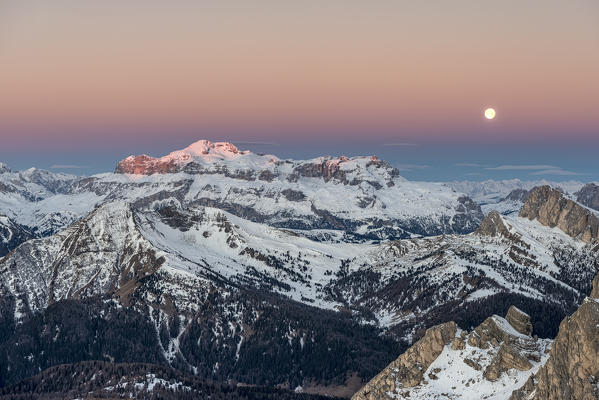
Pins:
<point x="408" y="282"/>
<point x="43" y="201"/>
<point x="90" y="257"/>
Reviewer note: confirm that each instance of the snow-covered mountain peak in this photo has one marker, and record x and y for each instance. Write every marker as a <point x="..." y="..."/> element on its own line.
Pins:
<point x="202" y="153"/>
<point x="205" y="147"/>
<point x="4" y="168"/>
<point x="206" y="151"/>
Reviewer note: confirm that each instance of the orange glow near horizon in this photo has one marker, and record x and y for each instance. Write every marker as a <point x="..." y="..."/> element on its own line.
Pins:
<point x="347" y="66"/>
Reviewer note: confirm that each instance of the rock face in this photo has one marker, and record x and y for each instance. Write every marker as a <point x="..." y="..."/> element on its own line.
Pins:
<point x="572" y="370"/>
<point x="512" y="336"/>
<point x="589" y="196"/>
<point x="485" y="363"/>
<point x="551" y="208"/>
<point x="519" y="320"/>
<point x="145" y="165"/>
<point x="595" y="292"/>
<point x="493" y="225"/>
<point x="408" y="370"/>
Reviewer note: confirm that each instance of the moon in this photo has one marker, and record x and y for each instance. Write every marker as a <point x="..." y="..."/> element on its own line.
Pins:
<point x="490" y="113"/>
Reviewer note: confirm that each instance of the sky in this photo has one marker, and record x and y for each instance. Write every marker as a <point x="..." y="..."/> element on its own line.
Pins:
<point x="86" y="83"/>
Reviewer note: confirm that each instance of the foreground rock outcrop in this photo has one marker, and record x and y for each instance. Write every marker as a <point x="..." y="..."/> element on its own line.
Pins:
<point x="408" y="370"/>
<point x="572" y="370"/>
<point x="551" y="208"/>
<point x="497" y="357"/>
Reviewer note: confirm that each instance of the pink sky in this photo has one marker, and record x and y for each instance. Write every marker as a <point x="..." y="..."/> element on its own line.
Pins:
<point x="272" y="70"/>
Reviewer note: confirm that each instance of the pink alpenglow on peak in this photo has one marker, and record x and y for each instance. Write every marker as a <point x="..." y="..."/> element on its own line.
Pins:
<point x="202" y="152"/>
<point x="224" y="159"/>
<point x="206" y="149"/>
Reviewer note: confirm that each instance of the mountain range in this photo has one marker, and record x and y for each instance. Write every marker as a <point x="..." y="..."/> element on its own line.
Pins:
<point x="212" y="269"/>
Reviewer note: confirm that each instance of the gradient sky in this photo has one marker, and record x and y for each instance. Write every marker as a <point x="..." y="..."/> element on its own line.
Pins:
<point x="88" y="82"/>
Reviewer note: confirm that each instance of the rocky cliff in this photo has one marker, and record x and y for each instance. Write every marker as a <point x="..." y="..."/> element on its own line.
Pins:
<point x="572" y="370"/>
<point x="494" y="226"/>
<point x="551" y="208"/>
<point x="408" y="370"/>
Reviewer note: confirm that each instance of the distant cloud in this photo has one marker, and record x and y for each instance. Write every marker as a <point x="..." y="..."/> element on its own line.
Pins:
<point x="524" y="167"/>
<point x="401" y="144"/>
<point x="411" y="167"/>
<point x="556" y="171"/>
<point x="67" y="166"/>
<point x="473" y="174"/>
<point x="469" y="165"/>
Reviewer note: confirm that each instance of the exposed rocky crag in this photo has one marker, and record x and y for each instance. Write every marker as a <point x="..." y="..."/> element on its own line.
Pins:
<point x="450" y="363"/>
<point x="519" y="320"/>
<point x="551" y="208"/>
<point x="494" y="226"/>
<point x="572" y="370"/>
<point x="408" y="370"/>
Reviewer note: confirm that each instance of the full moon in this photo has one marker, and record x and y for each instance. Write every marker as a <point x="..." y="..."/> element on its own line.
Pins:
<point x="489" y="113"/>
